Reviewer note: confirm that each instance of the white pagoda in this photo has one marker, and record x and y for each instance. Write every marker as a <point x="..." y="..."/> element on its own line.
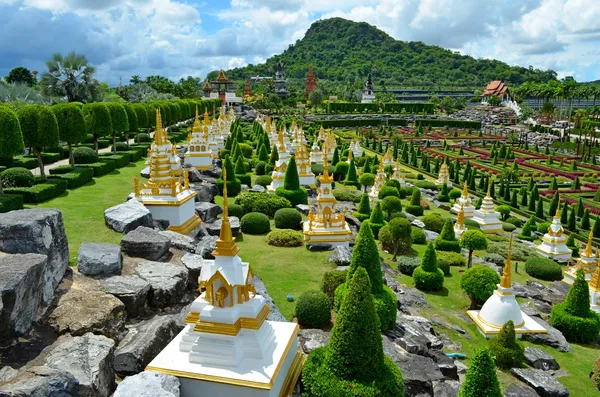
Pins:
<point x="587" y="261"/>
<point x="228" y="348"/>
<point x="396" y="174"/>
<point x="355" y="148"/>
<point x="443" y="175"/>
<point x="326" y="226"/>
<point x="553" y="244"/>
<point x="167" y="193"/>
<point x="595" y="290"/>
<point x="199" y="154"/>
<point x="316" y="155"/>
<point x="459" y="226"/>
<point x="388" y="159"/>
<point x="278" y="174"/>
<point x="464" y="202"/>
<point x="380" y="179"/>
<point x="501" y="307"/>
<point x="487" y="216"/>
<point x="307" y="178"/>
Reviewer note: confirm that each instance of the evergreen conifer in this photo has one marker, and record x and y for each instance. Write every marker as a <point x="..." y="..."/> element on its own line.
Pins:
<point x="539" y="211"/>
<point x="524" y="200"/>
<point x="571" y="222"/>
<point x="351" y="177"/>
<point x="274" y="155"/>
<point x="336" y="157"/>
<point x="596" y="229"/>
<point x="531" y="206"/>
<point x="507" y="352"/>
<point x="585" y="220"/>
<point x="580" y="208"/>
<point x="553" y="205"/>
<point x="554" y="184"/>
<point x="428" y="276"/>
<point x="262" y="154"/>
<point x="564" y="214"/>
<point x="481" y="379"/>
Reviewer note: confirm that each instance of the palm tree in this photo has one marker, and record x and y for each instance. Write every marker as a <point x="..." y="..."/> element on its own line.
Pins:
<point x="135" y="79"/>
<point x="71" y="76"/>
<point x="510" y="175"/>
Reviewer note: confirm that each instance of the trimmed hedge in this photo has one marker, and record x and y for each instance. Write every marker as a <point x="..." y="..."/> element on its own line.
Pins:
<point x="285" y="238"/>
<point x="479" y="283"/>
<point x="347" y="194"/>
<point x="121" y="160"/>
<point x="350" y="123"/>
<point x="61" y="169"/>
<point x="543" y="268"/>
<point x="17" y="177"/>
<point x="408" y="264"/>
<point x="84" y="155"/>
<point x="453" y="258"/>
<point x="295" y="197"/>
<point x="41" y="192"/>
<point x="76" y="178"/>
<point x="313" y="309"/>
<point x="418" y="235"/>
<point x="397" y="122"/>
<point x="288" y="218"/>
<point x="261" y="202"/>
<point x="255" y="223"/>
<point x="448" y="123"/>
<point x="263" y="180"/>
<point x="99" y="168"/>
<point x="332" y="280"/>
<point x="25" y="162"/>
<point x="11" y="202"/>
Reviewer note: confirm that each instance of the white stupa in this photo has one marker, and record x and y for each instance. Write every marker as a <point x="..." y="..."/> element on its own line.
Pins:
<point x="199" y="154"/>
<point x="227" y="347"/>
<point x="487" y="216"/>
<point x="355" y="148"/>
<point x="594" y="285"/>
<point x="587" y="261"/>
<point x="464" y="202"/>
<point x="553" y="244"/>
<point x="380" y="179"/>
<point x="388" y="159"/>
<point x="307" y="178"/>
<point x="459" y="226"/>
<point x="316" y="155"/>
<point x="278" y="174"/>
<point x="502" y="307"/>
<point x="396" y="175"/>
<point x="443" y="175"/>
<point x="167" y="193"/>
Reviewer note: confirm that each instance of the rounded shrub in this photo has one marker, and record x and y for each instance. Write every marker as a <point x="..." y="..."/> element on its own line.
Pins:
<point x="496" y="259"/>
<point x="444" y="265"/>
<point x="85" y="155"/>
<point x="264" y="203"/>
<point x="543" y="268"/>
<point x="236" y="210"/>
<point x="260" y="168"/>
<point x="316" y="169"/>
<point x="515" y="221"/>
<point x="433" y="222"/>
<point x="393" y="183"/>
<point x="418" y="235"/>
<point x="508" y="227"/>
<point x="285" y="238"/>
<point x="263" y="180"/>
<point x="347" y="193"/>
<point x="17" y="177"/>
<point x="313" y="309"/>
<point x="453" y="258"/>
<point x="408" y="264"/>
<point x="142" y="138"/>
<point x="428" y="276"/>
<point x="287" y="218"/>
<point x="479" y="283"/>
<point x="255" y="223"/>
<point x="296" y="196"/>
<point x="543" y="227"/>
<point x="387" y="191"/>
<point x="332" y="280"/>
<point x="471" y="224"/>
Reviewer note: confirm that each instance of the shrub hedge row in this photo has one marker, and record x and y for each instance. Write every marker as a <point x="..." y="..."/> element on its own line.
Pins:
<point x="10" y="202"/>
<point x="40" y="192"/>
<point x="76" y="178"/>
<point x="448" y="123"/>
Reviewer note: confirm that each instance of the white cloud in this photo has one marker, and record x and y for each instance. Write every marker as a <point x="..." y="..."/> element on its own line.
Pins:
<point x="236" y="62"/>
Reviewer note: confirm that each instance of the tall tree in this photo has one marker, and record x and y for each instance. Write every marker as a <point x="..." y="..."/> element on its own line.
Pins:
<point x="21" y="75"/>
<point x="71" y="76"/>
<point x="71" y="125"/>
<point x="11" y="139"/>
<point x="97" y="121"/>
<point x="40" y="130"/>
<point x="119" y="121"/>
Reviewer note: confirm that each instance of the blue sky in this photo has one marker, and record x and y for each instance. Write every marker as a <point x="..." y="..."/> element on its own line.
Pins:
<point x="177" y="38"/>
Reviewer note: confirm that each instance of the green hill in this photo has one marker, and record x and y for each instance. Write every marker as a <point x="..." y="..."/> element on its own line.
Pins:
<point x="345" y="51"/>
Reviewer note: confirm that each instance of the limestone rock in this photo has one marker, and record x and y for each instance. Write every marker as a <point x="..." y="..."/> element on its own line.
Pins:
<point x="168" y="282"/>
<point x="540" y="359"/>
<point x="341" y="256"/>
<point x="80" y="311"/>
<point x="146" y="243"/>
<point x="38" y="231"/>
<point x="446" y="388"/>
<point x="125" y="217"/>
<point x="554" y="338"/>
<point x="445" y="364"/>
<point x="41" y="382"/>
<point x="131" y="290"/>
<point x="208" y="211"/>
<point x="214" y="228"/>
<point x="142" y="343"/>
<point x="319" y="247"/>
<point x="206" y="246"/>
<point x="409" y="298"/>
<point x="541" y="381"/>
<point x="193" y="263"/>
<point x="520" y="390"/>
<point x="179" y="241"/>
<point x="97" y="259"/>
<point x="21" y="291"/>
<point x="206" y="192"/>
<point x="274" y="313"/>
<point x="414" y="334"/>
<point x="89" y="358"/>
<point x="7" y="373"/>
<point x="148" y="384"/>
<point x="312" y="339"/>
<point x="257" y="189"/>
<point x="430" y="235"/>
<point x="418" y="223"/>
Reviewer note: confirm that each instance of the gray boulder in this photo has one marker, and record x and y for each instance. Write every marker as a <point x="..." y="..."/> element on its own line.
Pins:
<point x="414" y="334"/>
<point x="179" y="241"/>
<point x="206" y="192"/>
<point x="341" y="256"/>
<point x="97" y="259"/>
<point x="207" y="211"/>
<point x="206" y="246"/>
<point x="520" y="390"/>
<point x="214" y="228"/>
<point x="131" y="290"/>
<point x="418" y="223"/>
<point x="89" y="358"/>
<point x="146" y="243"/>
<point x="41" y="382"/>
<point x="38" y="231"/>
<point x="257" y="189"/>
<point x="193" y="263"/>
<point x="312" y="339"/>
<point x="540" y="359"/>
<point x="143" y="342"/>
<point x="148" y="384"/>
<point x="409" y="298"/>
<point x="554" y="338"/>
<point x="21" y="291"/>
<point x="303" y="208"/>
<point x="541" y="381"/>
<point x="274" y="313"/>
<point x="168" y="282"/>
<point x="430" y="235"/>
<point x="145" y="172"/>
<point x="7" y="373"/>
<point x="315" y="247"/>
<point x="125" y="217"/>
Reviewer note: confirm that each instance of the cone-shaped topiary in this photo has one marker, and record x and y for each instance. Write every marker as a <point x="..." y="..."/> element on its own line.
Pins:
<point x="564" y="214"/>
<point x="507" y="352"/>
<point x="580" y="208"/>
<point x="364" y="208"/>
<point x="351" y="177"/>
<point x="447" y="240"/>
<point x="443" y="195"/>
<point x="572" y="222"/>
<point x="292" y="180"/>
<point x="367" y="166"/>
<point x="481" y="379"/>
<point x="336" y="157"/>
<point x="274" y="155"/>
<point x="233" y="183"/>
<point x="513" y="199"/>
<point x="576" y="184"/>
<point x="262" y="153"/>
<point x="240" y="166"/>
<point x="428" y="276"/>
<point x="585" y="220"/>
<point x="353" y="363"/>
<point x="376" y="221"/>
<point x="291" y="188"/>
<point x="415" y="208"/>
<point x="539" y="210"/>
<point x="553" y="205"/>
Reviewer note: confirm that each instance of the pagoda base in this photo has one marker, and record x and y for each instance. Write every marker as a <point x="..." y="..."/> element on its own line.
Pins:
<point x="529" y="326"/>
<point x="489" y="223"/>
<point x="307" y="180"/>
<point x="570" y="275"/>
<point x="458" y="231"/>
<point x="273" y="375"/>
<point x="366" y="98"/>
<point x="179" y="211"/>
<point x="316" y="158"/>
<point x="338" y="236"/>
<point x="595" y="300"/>
<point x="441" y="183"/>
<point x="558" y="252"/>
<point x="199" y="161"/>
<point x="275" y="183"/>
<point x="469" y="211"/>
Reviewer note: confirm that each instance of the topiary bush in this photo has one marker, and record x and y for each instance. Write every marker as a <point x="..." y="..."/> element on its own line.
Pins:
<point x="543" y="268"/>
<point x="479" y="283"/>
<point x="263" y="180"/>
<point x="433" y="222"/>
<point x="481" y="379"/>
<point x="415" y="208"/>
<point x="255" y="223"/>
<point x="428" y="276"/>
<point x="347" y="193"/>
<point x="363" y="211"/>
<point x="142" y="138"/>
<point x="387" y="191"/>
<point x="508" y="227"/>
<point x="520" y="252"/>
<point x="543" y="227"/>
<point x="453" y="258"/>
<point x="285" y="238"/>
<point x="265" y="203"/>
<point x="408" y="264"/>
<point x="496" y="259"/>
<point x="313" y="309"/>
<point x="447" y="240"/>
<point x="84" y="155"/>
<point x="418" y="235"/>
<point x="514" y="221"/>
<point x="260" y="168"/>
<point x="507" y="352"/>
<point x="376" y="221"/>
<point x="236" y="210"/>
<point x="471" y="224"/>
<point x="332" y="280"/>
<point x="444" y="265"/>
<point x="288" y="218"/>
<point x="17" y="177"/>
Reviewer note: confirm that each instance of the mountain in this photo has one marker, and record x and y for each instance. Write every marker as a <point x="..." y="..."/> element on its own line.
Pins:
<point x="345" y="51"/>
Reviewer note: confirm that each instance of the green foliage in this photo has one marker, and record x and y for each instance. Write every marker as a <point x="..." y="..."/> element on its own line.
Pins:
<point x="366" y="179"/>
<point x="418" y="235"/>
<point x="77" y="177"/>
<point x="447" y="240"/>
<point x="453" y="258"/>
<point x="17" y="177"/>
<point x="255" y="223"/>
<point x="40" y="192"/>
<point x="364" y="208"/>
<point x="507" y="352"/>
<point x="481" y="379"/>
<point x="71" y="124"/>
<point x="141" y="113"/>
<point x="508" y="227"/>
<point x="543" y="268"/>
<point x="97" y="119"/>
<point x="142" y="138"/>
<point x="84" y="155"/>
<point x="408" y="264"/>
<point x="504" y="210"/>
<point x="585" y="220"/>
<point x="285" y="238"/>
<point x="396" y="236"/>
<point x="265" y="203"/>
<point x="10" y="202"/>
<point x="473" y="240"/>
<point x="351" y="177"/>
<point x="260" y="168"/>
<point x="11" y="139"/>
<point x="234" y="186"/>
<point x="376" y="220"/>
<point x="428" y="276"/>
<point x="332" y="280"/>
<point x="39" y="126"/>
<point x="415" y="208"/>
<point x="388" y="191"/>
<point x="118" y="117"/>
<point x="313" y="309"/>
<point x="479" y="283"/>
<point x="390" y="205"/>
<point x="263" y="180"/>
<point x="365" y="254"/>
<point x="236" y="210"/>
<point x="443" y="196"/>
<point x="347" y="194"/>
<point x="295" y="197"/>
<point x="543" y="227"/>
<point x="287" y="218"/>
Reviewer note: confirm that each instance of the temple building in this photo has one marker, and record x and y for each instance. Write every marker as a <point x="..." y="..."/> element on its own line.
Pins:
<point x="553" y="244"/>
<point x="496" y="88"/>
<point x="207" y="90"/>
<point x="311" y="82"/>
<point x="279" y="81"/>
<point x="501" y="307"/>
<point x="487" y="216"/>
<point x="594" y="285"/>
<point x="459" y="226"/>
<point x="388" y="159"/>
<point x="380" y="179"/>
<point x="199" y="154"/>
<point x="307" y="178"/>
<point x="222" y="83"/>
<point x="228" y="348"/>
<point x="443" y="175"/>
<point x="316" y="155"/>
<point x="368" y="95"/>
<point x="247" y="89"/>
<point x="326" y="226"/>
<point x="397" y="175"/>
<point x="167" y="193"/>
<point x="464" y="203"/>
<point x="278" y="174"/>
<point x="322" y="135"/>
<point x="588" y="261"/>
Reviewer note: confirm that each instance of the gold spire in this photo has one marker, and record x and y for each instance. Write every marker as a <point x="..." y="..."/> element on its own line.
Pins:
<point x="326" y="178"/>
<point x="349" y="155"/>
<point x="380" y="169"/>
<point x="557" y="215"/>
<point x="488" y="195"/>
<point x="280" y="140"/>
<point x="465" y="191"/>
<point x="226" y="245"/>
<point x="595" y="281"/>
<point x="221" y="76"/>
<point x="505" y="282"/>
<point x="197" y="127"/>
<point x="461" y="217"/>
<point x="588" y="248"/>
<point x="158" y="132"/>
<point x="206" y="120"/>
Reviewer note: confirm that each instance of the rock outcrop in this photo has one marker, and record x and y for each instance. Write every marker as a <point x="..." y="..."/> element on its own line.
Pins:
<point x="146" y="243"/>
<point x="97" y="259"/>
<point x="125" y="217"/>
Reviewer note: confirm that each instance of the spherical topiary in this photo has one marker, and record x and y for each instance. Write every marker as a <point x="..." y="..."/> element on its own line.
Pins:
<point x="235" y="210"/>
<point x="543" y="268"/>
<point x="260" y="168"/>
<point x="433" y="222"/>
<point x="17" y="177"/>
<point x="418" y="235"/>
<point x="479" y="283"/>
<point x="313" y="309"/>
<point x="508" y="227"/>
<point x="428" y="276"/>
<point x="387" y="191"/>
<point x="285" y="238"/>
<point x="455" y="259"/>
<point x="507" y="352"/>
<point x="255" y="223"/>
<point x="287" y="218"/>
<point x="263" y="180"/>
<point x="515" y="221"/>
<point x="85" y="155"/>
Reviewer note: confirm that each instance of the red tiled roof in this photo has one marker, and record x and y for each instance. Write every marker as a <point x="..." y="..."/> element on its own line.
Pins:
<point x="495" y="88"/>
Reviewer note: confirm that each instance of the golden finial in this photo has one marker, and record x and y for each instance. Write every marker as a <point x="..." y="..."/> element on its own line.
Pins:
<point x="505" y="282"/>
<point x="465" y="191"/>
<point x="595" y="281"/>
<point x="588" y="248"/>
<point x="280" y="140"/>
<point x="136" y="186"/>
<point x="226" y="245"/>
<point x="189" y="136"/>
<point x="461" y="216"/>
<point x="488" y="195"/>
<point x="380" y="169"/>
<point x="158" y="133"/>
<point x="186" y="179"/>
<point x="350" y="155"/>
<point x="557" y="215"/>
<point x="206" y="120"/>
<point x="197" y="126"/>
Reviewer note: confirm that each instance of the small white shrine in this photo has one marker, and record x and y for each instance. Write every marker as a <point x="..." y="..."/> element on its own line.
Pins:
<point x="459" y="226"/>
<point x="278" y="174"/>
<point x="464" y="202"/>
<point x="501" y="307"/>
<point x="307" y="178"/>
<point x="355" y="148"/>
<point x="587" y="261"/>
<point x="388" y="159"/>
<point x="397" y="175"/>
<point x="443" y="175"/>
<point x="380" y="179"/>
<point x="553" y="244"/>
<point x="487" y="216"/>
<point x="316" y="155"/>
<point x="199" y="154"/>
<point x="167" y="192"/>
<point x="228" y="348"/>
<point x="594" y="285"/>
